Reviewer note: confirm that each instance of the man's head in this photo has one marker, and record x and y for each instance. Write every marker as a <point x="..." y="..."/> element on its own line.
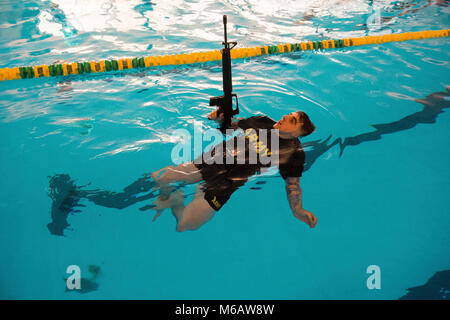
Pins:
<point x="296" y="124"/>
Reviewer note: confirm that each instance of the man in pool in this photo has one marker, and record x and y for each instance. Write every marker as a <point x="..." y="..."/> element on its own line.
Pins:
<point x="221" y="180"/>
<point x="66" y="196"/>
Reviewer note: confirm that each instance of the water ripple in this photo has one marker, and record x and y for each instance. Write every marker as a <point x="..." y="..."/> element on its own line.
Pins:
<point x="339" y="89"/>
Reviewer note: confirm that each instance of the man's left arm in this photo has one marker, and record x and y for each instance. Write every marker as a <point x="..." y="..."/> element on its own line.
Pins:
<point x="216" y="116"/>
<point x="294" y="195"/>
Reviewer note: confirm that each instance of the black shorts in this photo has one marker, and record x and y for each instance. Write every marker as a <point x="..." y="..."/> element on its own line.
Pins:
<point x="221" y="180"/>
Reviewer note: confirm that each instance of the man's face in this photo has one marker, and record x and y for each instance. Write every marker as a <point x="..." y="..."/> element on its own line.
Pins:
<point x="290" y="123"/>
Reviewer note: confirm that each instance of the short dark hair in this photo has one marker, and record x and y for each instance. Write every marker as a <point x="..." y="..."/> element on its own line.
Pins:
<point x="308" y="126"/>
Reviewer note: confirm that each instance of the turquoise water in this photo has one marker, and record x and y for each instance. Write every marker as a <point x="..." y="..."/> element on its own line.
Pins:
<point x="379" y="192"/>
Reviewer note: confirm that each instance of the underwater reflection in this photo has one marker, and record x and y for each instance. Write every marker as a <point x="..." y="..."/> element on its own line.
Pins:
<point x="436" y="288"/>
<point x="433" y="105"/>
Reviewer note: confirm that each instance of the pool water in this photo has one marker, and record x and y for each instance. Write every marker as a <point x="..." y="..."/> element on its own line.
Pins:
<point x="377" y="174"/>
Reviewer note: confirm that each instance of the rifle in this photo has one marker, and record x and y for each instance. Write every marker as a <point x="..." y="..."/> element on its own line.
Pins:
<point x="225" y="102"/>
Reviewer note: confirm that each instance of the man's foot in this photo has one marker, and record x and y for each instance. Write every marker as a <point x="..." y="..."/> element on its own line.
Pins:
<point x="164" y="190"/>
<point x="175" y="199"/>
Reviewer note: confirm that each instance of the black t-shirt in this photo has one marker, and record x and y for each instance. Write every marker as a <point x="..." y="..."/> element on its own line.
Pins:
<point x="222" y="179"/>
<point x="291" y="157"/>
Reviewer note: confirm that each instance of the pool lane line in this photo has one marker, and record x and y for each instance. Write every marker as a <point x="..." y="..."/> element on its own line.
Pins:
<point x="54" y="70"/>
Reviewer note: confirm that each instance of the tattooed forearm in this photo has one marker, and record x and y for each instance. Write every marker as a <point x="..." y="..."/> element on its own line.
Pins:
<point x="294" y="194"/>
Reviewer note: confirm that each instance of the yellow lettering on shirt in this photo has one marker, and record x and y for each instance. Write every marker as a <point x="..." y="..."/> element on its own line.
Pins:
<point x="215" y="202"/>
<point x="260" y="147"/>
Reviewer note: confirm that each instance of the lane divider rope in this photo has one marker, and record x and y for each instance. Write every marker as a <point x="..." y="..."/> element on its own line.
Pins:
<point x="206" y="56"/>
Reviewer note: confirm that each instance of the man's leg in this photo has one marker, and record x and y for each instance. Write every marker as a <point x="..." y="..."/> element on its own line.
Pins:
<point x="195" y="214"/>
<point x="185" y="172"/>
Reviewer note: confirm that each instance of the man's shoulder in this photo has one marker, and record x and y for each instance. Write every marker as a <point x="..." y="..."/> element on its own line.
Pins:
<point x="262" y="117"/>
<point x="257" y="122"/>
<point x="297" y="149"/>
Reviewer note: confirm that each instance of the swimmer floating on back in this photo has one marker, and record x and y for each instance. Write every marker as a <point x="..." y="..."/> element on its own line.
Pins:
<point x="67" y="198"/>
<point x="220" y="180"/>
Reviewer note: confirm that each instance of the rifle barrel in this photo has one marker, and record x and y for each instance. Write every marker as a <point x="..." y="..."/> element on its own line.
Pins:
<point x="225" y="30"/>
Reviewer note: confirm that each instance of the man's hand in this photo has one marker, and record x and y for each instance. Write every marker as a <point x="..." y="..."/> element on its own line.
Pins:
<point x="307" y="216"/>
<point x="215" y="115"/>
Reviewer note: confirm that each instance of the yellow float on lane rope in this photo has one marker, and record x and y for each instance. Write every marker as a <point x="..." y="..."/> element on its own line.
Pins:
<point x="201" y="57"/>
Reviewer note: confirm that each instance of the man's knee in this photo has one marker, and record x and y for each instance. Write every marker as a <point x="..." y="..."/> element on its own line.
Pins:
<point x="190" y="221"/>
<point x="194" y="216"/>
<point x="183" y="226"/>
